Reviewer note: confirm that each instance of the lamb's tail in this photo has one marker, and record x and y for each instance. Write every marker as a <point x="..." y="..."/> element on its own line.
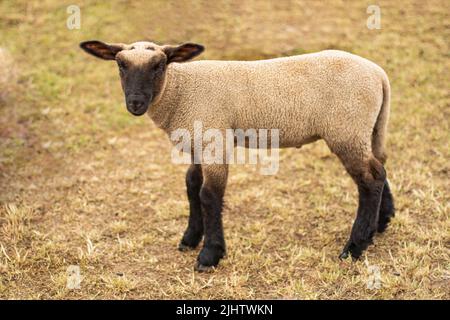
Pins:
<point x="380" y="129"/>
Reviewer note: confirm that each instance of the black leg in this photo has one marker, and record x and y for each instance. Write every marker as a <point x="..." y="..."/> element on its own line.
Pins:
<point x="211" y="197"/>
<point x="387" y="208"/>
<point x="194" y="232"/>
<point x="370" y="181"/>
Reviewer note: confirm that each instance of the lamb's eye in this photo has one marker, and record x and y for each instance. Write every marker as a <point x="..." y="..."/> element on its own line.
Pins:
<point x="122" y="65"/>
<point x="158" y="66"/>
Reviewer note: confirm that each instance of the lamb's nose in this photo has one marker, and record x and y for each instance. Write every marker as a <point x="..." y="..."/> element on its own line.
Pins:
<point x="136" y="102"/>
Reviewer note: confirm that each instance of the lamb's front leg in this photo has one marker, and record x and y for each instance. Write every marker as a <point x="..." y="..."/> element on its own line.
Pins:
<point x="194" y="232"/>
<point x="211" y="198"/>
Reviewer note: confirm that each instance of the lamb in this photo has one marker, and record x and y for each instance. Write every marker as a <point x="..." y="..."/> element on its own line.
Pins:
<point x="332" y="95"/>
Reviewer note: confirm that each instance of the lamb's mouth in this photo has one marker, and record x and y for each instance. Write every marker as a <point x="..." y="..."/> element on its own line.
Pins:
<point x="138" y="104"/>
<point x="138" y="112"/>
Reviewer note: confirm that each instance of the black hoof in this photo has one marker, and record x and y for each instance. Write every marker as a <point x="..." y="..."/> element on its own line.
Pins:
<point x="343" y="255"/>
<point x="184" y="247"/>
<point x="351" y="249"/>
<point x="209" y="257"/>
<point x="201" y="268"/>
<point x="190" y="240"/>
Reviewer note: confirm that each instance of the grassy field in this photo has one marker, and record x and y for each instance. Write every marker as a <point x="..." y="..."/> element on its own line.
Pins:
<point x="82" y="182"/>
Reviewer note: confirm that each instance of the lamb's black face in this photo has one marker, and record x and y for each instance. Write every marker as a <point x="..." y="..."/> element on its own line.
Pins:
<point x="142" y="67"/>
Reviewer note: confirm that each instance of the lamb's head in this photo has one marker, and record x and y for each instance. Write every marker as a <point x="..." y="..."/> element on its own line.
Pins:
<point x="142" y="67"/>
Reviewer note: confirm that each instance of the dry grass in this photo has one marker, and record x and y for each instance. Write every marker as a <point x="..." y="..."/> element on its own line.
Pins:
<point x="84" y="183"/>
<point x="8" y="76"/>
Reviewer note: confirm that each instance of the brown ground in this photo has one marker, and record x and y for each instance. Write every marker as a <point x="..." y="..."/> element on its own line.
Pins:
<point x="84" y="183"/>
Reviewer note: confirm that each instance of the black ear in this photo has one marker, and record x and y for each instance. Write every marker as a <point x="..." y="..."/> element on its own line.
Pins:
<point x="102" y="50"/>
<point x="183" y="52"/>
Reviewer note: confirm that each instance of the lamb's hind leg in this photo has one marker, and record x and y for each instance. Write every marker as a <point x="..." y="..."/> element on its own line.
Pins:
<point x="369" y="175"/>
<point x="387" y="209"/>
<point x="194" y="232"/>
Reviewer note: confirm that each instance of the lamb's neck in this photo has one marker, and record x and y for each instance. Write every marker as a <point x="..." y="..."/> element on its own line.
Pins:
<point x="164" y="107"/>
